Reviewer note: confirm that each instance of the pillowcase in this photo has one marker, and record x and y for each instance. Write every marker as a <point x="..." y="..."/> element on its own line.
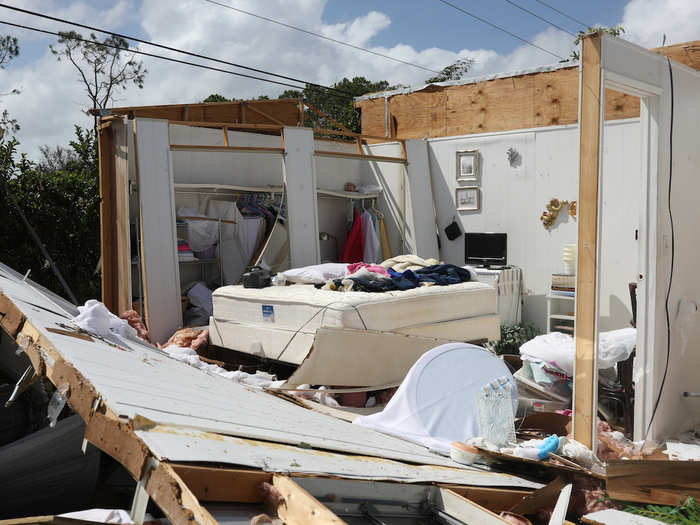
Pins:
<point x="316" y="274"/>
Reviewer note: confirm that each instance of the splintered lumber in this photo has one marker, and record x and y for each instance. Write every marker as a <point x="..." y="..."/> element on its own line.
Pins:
<point x="585" y="379"/>
<point x="653" y="481"/>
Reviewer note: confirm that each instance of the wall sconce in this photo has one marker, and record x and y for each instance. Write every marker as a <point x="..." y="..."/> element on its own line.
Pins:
<point x="549" y="216"/>
<point x="514" y="158"/>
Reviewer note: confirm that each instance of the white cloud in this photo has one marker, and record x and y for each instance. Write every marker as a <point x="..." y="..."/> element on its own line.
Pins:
<point x="646" y="21"/>
<point x="52" y="97"/>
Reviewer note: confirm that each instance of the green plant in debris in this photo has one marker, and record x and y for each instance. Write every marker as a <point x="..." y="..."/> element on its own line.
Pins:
<point x="613" y="31"/>
<point x="512" y="336"/>
<point x="687" y="513"/>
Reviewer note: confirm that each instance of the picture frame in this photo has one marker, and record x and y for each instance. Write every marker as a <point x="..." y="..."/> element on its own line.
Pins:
<point x="468" y="167"/>
<point x="468" y="198"/>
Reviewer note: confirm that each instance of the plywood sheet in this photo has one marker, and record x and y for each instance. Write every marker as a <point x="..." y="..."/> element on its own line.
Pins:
<point x="522" y="101"/>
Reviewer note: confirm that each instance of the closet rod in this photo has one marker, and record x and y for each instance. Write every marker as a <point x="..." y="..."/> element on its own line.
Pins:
<point x="191" y="218"/>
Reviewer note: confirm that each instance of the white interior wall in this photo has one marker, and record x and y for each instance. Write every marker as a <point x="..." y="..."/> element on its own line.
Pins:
<point x="514" y="197"/>
<point x="632" y="66"/>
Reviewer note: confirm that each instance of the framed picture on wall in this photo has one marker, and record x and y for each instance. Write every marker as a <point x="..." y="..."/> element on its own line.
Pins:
<point x="468" y="198"/>
<point x="468" y="166"/>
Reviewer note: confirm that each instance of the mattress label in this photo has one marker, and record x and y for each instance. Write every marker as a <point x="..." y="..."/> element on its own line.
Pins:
<point x="268" y="313"/>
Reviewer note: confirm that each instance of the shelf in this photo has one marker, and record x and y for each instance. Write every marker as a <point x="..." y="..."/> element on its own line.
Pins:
<point x="182" y="188"/>
<point x="565" y="297"/>
<point x="563" y="317"/>
<point x="347" y="194"/>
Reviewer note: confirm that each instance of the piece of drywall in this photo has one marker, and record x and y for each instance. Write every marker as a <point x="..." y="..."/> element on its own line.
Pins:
<point x="301" y="183"/>
<point x="514" y="196"/>
<point x="161" y="277"/>
<point x="418" y="178"/>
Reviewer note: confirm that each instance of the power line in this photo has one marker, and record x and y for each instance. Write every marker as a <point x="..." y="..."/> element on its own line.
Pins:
<point x="168" y="48"/>
<point x="500" y="28"/>
<point x="562" y="13"/>
<point x="543" y="19"/>
<point x="170" y="59"/>
<point x="319" y="35"/>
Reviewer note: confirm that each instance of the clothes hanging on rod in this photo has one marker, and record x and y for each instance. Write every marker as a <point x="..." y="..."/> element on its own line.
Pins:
<point x="353" y="251"/>
<point x="371" y="252"/>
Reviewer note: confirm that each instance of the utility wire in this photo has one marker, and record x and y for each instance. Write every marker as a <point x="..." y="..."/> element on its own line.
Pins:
<point x="543" y="19"/>
<point x="562" y="13"/>
<point x="168" y="48"/>
<point x="170" y="59"/>
<point x="483" y="20"/>
<point x="319" y="35"/>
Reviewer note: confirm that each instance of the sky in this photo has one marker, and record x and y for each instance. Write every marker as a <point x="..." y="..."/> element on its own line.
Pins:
<point x="426" y="32"/>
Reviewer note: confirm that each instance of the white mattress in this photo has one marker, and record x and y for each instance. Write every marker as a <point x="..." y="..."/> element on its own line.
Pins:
<point x="279" y="322"/>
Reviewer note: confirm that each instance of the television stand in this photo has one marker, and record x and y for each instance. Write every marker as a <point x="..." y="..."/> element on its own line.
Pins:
<point x="507" y="280"/>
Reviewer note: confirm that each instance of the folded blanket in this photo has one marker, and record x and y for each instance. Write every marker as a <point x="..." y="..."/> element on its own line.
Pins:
<point x="401" y="263"/>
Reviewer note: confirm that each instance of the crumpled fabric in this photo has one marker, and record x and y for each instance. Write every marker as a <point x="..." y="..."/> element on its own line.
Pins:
<point x="559" y="349"/>
<point x="374" y="268"/>
<point x="94" y="317"/>
<point x="408" y="262"/>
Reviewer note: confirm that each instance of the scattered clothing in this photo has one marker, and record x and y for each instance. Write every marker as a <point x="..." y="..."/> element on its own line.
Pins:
<point x="371" y="252"/>
<point x="401" y="263"/>
<point x="354" y="248"/>
<point x="375" y="268"/>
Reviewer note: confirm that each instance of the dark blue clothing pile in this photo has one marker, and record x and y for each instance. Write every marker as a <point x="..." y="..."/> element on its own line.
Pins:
<point x="438" y="275"/>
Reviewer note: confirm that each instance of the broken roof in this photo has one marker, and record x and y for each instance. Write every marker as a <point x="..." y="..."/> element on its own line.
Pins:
<point x="143" y="407"/>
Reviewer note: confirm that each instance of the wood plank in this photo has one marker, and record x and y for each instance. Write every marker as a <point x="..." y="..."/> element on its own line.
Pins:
<point x="299" y="507"/>
<point x="107" y="217"/>
<point x="584" y="419"/>
<point x="465" y="510"/>
<point x="250" y="149"/>
<point x="174" y="497"/>
<point x="122" y="222"/>
<point x="661" y="482"/>
<point x="495" y="499"/>
<point x="232" y="125"/>
<point x="262" y="113"/>
<point x="225" y="128"/>
<point x="223" y="484"/>
<point x="281" y="110"/>
<point x="376" y="158"/>
<point x="326" y="116"/>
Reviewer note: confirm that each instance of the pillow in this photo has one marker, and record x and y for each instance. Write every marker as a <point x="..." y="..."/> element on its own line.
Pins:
<point x="317" y="274"/>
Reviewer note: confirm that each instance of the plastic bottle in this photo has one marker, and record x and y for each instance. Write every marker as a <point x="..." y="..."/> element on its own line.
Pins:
<point x="495" y="412"/>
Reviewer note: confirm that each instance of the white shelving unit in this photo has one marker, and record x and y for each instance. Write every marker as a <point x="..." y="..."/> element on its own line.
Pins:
<point x="560" y="316"/>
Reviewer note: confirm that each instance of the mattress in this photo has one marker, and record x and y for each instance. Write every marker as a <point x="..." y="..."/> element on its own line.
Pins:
<point x="279" y="322"/>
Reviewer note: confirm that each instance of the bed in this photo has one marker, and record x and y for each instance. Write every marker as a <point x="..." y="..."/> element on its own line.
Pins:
<point x="280" y="322"/>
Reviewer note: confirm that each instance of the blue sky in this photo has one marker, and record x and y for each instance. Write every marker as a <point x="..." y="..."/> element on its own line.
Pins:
<point x="429" y="23"/>
<point x="424" y="32"/>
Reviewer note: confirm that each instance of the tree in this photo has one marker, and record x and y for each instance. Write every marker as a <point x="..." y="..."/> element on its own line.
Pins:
<point x="62" y="203"/>
<point x="9" y="49"/>
<point x="104" y="67"/>
<point x="336" y="105"/>
<point x="613" y="31"/>
<point x="215" y="97"/>
<point x="454" y="71"/>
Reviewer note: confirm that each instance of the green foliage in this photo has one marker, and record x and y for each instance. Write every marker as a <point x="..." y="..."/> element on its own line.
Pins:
<point x="613" y="31"/>
<point x="453" y="71"/>
<point x="337" y="106"/>
<point x="687" y="513"/>
<point x="215" y="97"/>
<point x="62" y="203"/>
<point x="9" y="49"/>
<point x="512" y="337"/>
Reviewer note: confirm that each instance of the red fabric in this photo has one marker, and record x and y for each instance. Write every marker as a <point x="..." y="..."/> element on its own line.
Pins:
<point x="354" y="247"/>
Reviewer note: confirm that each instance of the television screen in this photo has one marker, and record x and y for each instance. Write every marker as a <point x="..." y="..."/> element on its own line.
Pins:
<point x="485" y="248"/>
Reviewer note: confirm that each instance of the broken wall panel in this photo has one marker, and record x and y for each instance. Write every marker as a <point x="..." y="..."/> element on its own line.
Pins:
<point x="523" y="100"/>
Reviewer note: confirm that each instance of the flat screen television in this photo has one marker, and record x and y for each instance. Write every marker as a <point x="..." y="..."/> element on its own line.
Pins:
<point x="486" y="249"/>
